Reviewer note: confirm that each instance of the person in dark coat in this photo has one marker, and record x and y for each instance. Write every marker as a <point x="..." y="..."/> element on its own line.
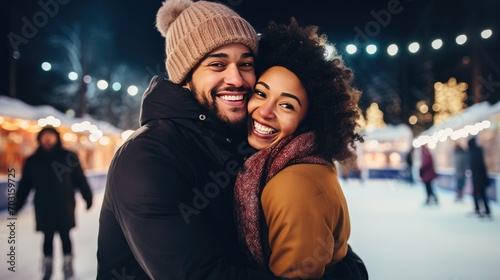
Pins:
<point x="54" y="174"/>
<point x="167" y="211"/>
<point x="480" y="180"/>
<point x="428" y="174"/>
<point x="409" y="166"/>
<point x="461" y="165"/>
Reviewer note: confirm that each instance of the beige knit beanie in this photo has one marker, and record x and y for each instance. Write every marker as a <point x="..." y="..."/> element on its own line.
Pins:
<point x="194" y="29"/>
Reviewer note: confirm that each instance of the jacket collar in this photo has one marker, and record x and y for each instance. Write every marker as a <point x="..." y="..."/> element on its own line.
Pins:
<point x="166" y="100"/>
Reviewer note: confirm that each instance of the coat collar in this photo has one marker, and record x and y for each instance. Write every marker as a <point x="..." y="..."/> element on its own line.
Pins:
<point x="166" y="100"/>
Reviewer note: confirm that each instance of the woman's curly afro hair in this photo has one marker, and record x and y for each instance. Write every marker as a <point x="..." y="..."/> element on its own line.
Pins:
<point x="333" y="109"/>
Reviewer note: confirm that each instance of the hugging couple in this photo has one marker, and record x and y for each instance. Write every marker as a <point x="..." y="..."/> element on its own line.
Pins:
<point x="231" y="174"/>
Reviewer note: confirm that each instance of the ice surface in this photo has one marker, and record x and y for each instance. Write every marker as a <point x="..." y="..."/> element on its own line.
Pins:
<point x="395" y="234"/>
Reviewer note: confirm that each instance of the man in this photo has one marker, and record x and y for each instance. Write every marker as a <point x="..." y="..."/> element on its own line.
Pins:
<point x="167" y="211"/>
<point x="480" y="180"/>
<point x="53" y="173"/>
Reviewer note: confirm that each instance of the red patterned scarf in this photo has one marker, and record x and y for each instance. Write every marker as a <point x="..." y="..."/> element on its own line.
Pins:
<point x="257" y="171"/>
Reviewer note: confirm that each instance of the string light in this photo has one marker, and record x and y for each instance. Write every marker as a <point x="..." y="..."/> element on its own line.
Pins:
<point x="351" y="49"/>
<point x="371" y="49"/>
<point x="101" y="84"/>
<point x="392" y="49"/>
<point x="461" y="39"/>
<point x="485" y="34"/>
<point x="449" y="133"/>
<point x="415" y="47"/>
<point x="437" y="44"/>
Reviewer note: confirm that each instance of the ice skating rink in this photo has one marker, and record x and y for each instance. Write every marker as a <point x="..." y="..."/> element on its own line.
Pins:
<point x="397" y="236"/>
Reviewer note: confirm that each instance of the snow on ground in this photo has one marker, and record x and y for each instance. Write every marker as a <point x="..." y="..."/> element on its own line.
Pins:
<point x="397" y="237"/>
<point x="29" y="244"/>
<point x="400" y="238"/>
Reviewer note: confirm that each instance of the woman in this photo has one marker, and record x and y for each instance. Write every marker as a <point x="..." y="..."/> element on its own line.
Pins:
<point x="291" y="213"/>
<point x="427" y="175"/>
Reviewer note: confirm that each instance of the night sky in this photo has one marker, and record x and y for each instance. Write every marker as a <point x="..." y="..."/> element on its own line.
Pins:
<point x="118" y="38"/>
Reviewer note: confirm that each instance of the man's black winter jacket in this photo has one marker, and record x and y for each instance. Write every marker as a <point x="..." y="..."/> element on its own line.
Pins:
<point x="167" y="209"/>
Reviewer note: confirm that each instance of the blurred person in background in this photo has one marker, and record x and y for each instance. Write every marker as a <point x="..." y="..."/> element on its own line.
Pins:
<point x="480" y="180"/>
<point x="54" y="174"/>
<point x="461" y="165"/>
<point x="409" y="166"/>
<point x="428" y="174"/>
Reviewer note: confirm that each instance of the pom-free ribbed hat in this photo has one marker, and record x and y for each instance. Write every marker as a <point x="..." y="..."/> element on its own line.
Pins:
<point x="194" y="29"/>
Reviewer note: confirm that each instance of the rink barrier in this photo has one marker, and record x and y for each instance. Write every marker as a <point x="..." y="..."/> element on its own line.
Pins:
<point x="387" y="173"/>
<point x="96" y="180"/>
<point x="445" y="180"/>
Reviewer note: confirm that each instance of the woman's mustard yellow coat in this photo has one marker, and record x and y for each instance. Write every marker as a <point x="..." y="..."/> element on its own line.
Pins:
<point x="308" y="220"/>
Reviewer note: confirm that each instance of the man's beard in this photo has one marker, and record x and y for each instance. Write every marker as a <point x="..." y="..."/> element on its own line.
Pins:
<point x="212" y="107"/>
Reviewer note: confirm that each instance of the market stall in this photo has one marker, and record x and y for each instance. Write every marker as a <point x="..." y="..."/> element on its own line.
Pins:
<point x="383" y="153"/>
